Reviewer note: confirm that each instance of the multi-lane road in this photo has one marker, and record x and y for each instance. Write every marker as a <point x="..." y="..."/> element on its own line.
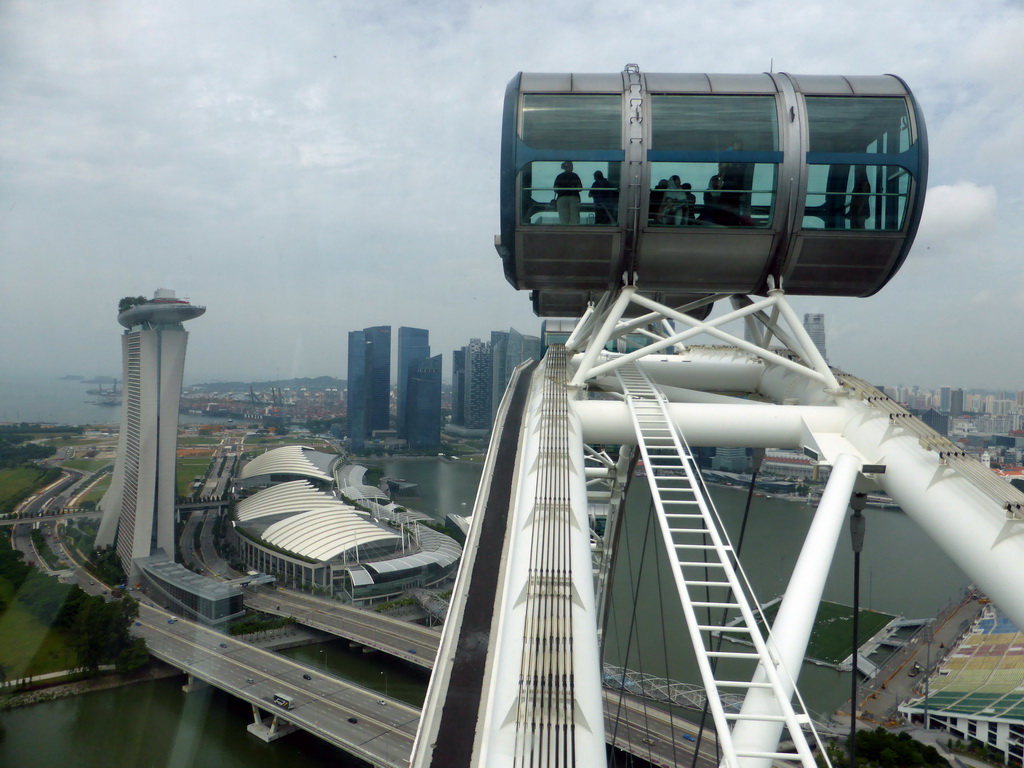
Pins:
<point x="402" y="639"/>
<point x="355" y="719"/>
<point x="631" y="724"/>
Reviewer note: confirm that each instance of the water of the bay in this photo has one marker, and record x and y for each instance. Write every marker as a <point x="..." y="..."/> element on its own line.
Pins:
<point x="156" y="724"/>
<point x="38" y="399"/>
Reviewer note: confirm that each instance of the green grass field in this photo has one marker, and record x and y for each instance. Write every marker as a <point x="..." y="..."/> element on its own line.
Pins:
<point x="17" y="483"/>
<point x="98" y="489"/>
<point x="188" y="468"/>
<point x="833" y="630"/>
<point x="28" y="647"/>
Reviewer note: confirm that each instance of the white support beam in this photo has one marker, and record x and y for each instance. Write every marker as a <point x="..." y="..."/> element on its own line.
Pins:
<point x="795" y="619"/>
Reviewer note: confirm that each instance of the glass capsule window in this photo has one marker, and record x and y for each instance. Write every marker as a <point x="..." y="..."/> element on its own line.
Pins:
<point x="848" y="195"/>
<point x="870" y="197"/>
<point x="568" y="192"/>
<point x="717" y="190"/>
<point x="714" y="123"/>
<point x="572" y="121"/>
<point x="871" y="125"/>
<point x="712" y="194"/>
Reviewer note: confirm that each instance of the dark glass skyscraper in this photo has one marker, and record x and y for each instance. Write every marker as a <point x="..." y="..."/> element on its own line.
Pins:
<point x="477" y="397"/>
<point x="458" y="386"/>
<point x="356" y="414"/>
<point x="423" y="404"/>
<point x="413" y="347"/>
<point x="369" y="383"/>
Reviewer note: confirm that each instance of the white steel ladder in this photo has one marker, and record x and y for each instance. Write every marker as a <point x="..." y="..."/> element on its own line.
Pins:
<point x="706" y="576"/>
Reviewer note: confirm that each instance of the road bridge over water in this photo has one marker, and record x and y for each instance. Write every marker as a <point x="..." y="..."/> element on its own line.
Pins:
<point x="346" y="715"/>
<point x="631" y="724"/>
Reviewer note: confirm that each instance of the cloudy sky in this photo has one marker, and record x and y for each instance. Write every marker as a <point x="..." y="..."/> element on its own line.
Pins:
<point x="304" y="169"/>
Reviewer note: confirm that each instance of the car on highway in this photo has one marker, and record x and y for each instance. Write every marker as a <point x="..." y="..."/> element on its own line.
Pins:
<point x="223" y="645"/>
<point x="306" y="677"/>
<point x="352" y="720"/>
<point x="382" y="702"/>
<point x="138" y="623"/>
<point x="688" y="737"/>
<point x="412" y="650"/>
<point x="172" y="619"/>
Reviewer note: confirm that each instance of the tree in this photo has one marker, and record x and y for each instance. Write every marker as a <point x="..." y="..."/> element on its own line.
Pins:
<point x="130" y="301"/>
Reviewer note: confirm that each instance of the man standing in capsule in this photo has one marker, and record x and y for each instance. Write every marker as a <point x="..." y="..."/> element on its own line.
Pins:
<point x="567" y="195"/>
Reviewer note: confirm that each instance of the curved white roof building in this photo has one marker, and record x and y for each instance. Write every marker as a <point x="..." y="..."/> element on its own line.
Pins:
<point x="307" y="522"/>
<point x="308" y="537"/>
<point x="290" y="461"/>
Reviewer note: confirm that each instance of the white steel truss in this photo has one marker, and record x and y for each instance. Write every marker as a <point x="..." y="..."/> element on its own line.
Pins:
<point x="705" y="563"/>
<point x="606" y="324"/>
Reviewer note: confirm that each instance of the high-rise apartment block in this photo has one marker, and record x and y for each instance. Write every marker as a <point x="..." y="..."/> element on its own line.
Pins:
<point x="138" y="508"/>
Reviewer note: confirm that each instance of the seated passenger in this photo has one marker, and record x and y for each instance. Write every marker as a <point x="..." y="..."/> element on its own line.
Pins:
<point x="657" y="198"/>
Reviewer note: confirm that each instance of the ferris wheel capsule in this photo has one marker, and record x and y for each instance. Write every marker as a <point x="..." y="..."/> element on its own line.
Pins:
<point x="691" y="184"/>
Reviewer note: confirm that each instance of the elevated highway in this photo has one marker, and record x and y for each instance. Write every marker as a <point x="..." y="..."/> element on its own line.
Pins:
<point x="636" y="727"/>
<point x="352" y="718"/>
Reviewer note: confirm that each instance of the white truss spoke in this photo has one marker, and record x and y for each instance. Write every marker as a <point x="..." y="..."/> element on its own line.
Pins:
<point x="699" y="548"/>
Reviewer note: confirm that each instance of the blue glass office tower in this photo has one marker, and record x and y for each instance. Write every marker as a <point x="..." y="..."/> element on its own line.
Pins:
<point x="413" y="347"/>
<point x="356" y="415"/>
<point x="369" y="383"/>
<point x="508" y="349"/>
<point x="423" y="405"/>
<point x="458" y="386"/>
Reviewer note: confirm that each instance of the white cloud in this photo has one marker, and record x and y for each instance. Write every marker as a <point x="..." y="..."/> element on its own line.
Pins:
<point x="958" y="211"/>
<point x="339" y="161"/>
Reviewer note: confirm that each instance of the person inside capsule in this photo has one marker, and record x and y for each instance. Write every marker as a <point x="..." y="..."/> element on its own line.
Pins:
<point x="567" y="195"/>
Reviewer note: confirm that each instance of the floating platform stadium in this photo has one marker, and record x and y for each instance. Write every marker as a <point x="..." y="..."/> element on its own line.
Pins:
<point x="977" y="692"/>
<point x="298" y="526"/>
<point x="833" y="627"/>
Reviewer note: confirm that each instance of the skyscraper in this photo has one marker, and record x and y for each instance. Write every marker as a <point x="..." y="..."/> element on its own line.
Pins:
<point x="369" y="383"/>
<point x="945" y="399"/>
<point x="458" y="386"/>
<point x="814" y="324"/>
<point x="138" y="508"/>
<point x="508" y="349"/>
<point x="355" y="413"/>
<point x="423" y="405"/>
<point x="477" y="395"/>
<point x="956" y="403"/>
<point x="413" y="346"/>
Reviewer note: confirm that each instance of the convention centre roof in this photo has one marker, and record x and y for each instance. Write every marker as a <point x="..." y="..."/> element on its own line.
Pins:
<point x="311" y="523"/>
<point x="297" y="460"/>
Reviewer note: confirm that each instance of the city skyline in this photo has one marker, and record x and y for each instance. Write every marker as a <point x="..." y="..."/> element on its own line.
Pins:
<point x="250" y="182"/>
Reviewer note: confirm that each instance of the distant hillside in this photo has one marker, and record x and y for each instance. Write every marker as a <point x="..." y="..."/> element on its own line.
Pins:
<point x="320" y="382"/>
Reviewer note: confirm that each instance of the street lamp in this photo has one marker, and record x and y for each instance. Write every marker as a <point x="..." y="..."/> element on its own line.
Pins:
<point x="385" y="684"/>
